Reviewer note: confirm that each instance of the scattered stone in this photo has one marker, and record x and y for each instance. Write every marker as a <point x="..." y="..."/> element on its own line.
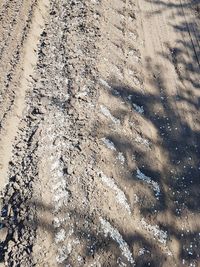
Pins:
<point x="3" y="234"/>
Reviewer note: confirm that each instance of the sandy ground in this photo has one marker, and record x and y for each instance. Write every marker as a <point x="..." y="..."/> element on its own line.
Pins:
<point x="100" y="131"/>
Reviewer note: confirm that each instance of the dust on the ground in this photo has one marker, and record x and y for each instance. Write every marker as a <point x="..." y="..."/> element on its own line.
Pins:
<point x="99" y="133"/>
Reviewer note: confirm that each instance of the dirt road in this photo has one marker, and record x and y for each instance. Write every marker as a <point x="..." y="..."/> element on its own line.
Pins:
<point x="100" y="133"/>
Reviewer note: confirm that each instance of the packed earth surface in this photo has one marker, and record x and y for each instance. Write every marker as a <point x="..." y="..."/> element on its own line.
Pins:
<point x="99" y="133"/>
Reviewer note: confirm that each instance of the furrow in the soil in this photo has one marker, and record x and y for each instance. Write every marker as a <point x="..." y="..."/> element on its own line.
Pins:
<point x="69" y="195"/>
<point x="17" y="70"/>
<point x="19" y="144"/>
<point x="139" y="117"/>
<point x="122" y="130"/>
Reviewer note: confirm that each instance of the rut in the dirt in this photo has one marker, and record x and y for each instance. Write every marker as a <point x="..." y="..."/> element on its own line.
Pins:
<point x="54" y="131"/>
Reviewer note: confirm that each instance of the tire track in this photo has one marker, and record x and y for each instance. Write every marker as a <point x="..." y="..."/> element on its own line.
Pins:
<point x="195" y="43"/>
<point x="21" y="84"/>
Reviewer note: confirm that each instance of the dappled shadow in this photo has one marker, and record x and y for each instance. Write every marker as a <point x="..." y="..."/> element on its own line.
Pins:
<point x="179" y="176"/>
<point x="188" y="38"/>
<point x="88" y="232"/>
<point x="174" y="118"/>
<point x="183" y="151"/>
